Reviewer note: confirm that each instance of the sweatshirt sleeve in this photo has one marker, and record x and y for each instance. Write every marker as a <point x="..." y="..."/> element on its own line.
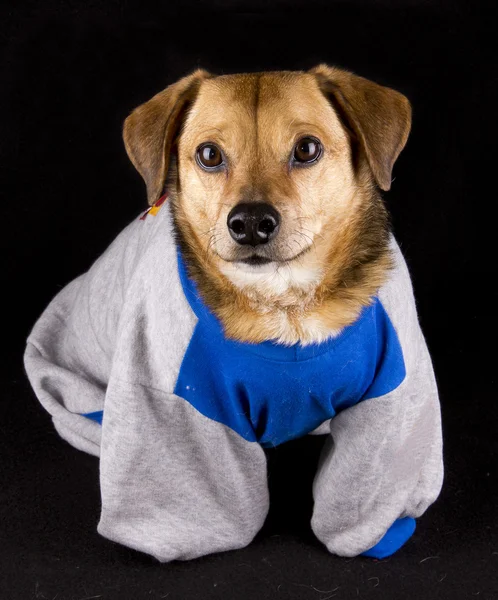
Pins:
<point x="382" y="465"/>
<point x="69" y="351"/>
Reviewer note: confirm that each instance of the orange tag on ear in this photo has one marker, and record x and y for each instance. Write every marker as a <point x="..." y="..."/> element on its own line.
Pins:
<point x="154" y="209"/>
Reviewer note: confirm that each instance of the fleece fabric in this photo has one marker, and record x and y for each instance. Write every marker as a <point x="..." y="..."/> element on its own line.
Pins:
<point x="135" y="368"/>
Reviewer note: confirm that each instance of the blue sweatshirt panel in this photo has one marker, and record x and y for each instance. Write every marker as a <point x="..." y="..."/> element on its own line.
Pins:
<point x="271" y="393"/>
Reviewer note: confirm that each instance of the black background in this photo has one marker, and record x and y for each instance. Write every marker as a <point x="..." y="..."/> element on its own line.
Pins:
<point x="70" y="74"/>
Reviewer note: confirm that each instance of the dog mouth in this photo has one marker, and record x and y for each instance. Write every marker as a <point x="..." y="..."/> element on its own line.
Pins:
<point x="259" y="260"/>
<point x="255" y="260"/>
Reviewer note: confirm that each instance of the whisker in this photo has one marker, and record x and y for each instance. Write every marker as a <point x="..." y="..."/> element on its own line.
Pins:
<point x="208" y="231"/>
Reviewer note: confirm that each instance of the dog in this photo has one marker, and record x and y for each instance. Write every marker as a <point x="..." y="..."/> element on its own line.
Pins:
<point x="262" y="297"/>
<point x="307" y="150"/>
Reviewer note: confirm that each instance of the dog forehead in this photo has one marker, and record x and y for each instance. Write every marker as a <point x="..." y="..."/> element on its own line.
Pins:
<point x="272" y="102"/>
<point x="291" y="104"/>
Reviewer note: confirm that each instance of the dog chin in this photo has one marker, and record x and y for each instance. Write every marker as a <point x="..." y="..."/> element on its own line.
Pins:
<point x="254" y="267"/>
<point x="271" y="277"/>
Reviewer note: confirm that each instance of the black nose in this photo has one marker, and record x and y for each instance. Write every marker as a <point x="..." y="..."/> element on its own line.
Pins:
<point x="253" y="223"/>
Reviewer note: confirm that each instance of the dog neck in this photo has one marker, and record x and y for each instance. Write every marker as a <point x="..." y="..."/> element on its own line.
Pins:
<point x="295" y="305"/>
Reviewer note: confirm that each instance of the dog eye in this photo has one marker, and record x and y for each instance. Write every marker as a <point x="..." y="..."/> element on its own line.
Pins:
<point x="307" y="150"/>
<point x="209" y="156"/>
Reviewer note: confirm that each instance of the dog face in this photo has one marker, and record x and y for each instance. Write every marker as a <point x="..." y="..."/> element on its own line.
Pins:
<point x="265" y="175"/>
<point x="273" y="176"/>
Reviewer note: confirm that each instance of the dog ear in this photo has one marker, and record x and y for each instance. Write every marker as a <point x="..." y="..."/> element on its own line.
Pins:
<point x="149" y="131"/>
<point x="379" y="117"/>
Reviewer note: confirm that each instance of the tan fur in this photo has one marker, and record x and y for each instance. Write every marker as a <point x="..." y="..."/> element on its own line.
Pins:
<point x="380" y="117"/>
<point x="148" y="132"/>
<point x="331" y="253"/>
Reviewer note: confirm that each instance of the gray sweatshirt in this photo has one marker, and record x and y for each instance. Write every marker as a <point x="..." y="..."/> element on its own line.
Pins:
<point x="135" y="368"/>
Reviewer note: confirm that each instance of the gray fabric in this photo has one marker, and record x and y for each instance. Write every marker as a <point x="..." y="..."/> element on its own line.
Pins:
<point x="383" y="460"/>
<point x="178" y="485"/>
<point x="106" y="320"/>
<point x="66" y="368"/>
<point x="174" y="483"/>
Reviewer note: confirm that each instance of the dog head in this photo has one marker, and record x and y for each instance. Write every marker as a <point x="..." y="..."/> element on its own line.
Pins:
<point x="273" y="179"/>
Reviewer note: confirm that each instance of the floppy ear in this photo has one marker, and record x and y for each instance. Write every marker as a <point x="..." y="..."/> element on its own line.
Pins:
<point x="379" y="117"/>
<point x="150" y="129"/>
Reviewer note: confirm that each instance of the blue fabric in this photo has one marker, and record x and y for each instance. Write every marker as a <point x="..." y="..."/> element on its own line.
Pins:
<point x="96" y="416"/>
<point x="395" y="537"/>
<point x="272" y="393"/>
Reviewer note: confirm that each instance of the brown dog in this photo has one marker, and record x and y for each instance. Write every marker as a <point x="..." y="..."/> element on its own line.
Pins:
<point x="294" y="157"/>
<point x="274" y="185"/>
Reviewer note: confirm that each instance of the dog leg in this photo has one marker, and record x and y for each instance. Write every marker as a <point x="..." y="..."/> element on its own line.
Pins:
<point x="176" y="484"/>
<point x="380" y="469"/>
